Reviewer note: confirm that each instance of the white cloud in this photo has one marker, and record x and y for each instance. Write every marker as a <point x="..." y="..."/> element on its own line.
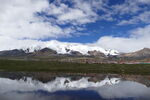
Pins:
<point x="125" y="8"/>
<point x="131" y="7"/>
<point x="142" y="17"/>
<point x="131" y="12"/>
<point x="20" y="25"/>
<point x="69" y="16"/>
<point x="19" y="20"/>
<point x="138" y="39"/>
<point x="141" y="32"/>
<point x="8" y="43"/>
<point x="81" y="12"/>
<point x="144" y="1"/>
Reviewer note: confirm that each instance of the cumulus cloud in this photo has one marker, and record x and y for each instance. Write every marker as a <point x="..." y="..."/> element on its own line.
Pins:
<point x="8" y="43"/>
<point x="19" y="20"/>
<point x="136" y="12"/>
<point x="125" y="89"/>
<point x="26" y="23"/>
<point x="141" y="18"/>
<point x="143" y="1"/>
<point x="27" y="19"/>
<point x="138" y="39"/>
<point x="81" y="11"/>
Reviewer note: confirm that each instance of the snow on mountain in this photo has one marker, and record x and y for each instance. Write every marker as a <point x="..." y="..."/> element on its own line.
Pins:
<point x="66" y="48"/>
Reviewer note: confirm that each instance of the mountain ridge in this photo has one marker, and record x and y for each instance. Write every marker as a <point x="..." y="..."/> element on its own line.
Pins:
<point x="140" y="56"/>
<point x="67" y="48"/>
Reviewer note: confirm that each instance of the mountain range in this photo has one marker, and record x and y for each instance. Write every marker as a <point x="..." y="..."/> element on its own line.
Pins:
<point x="78" y="53"/>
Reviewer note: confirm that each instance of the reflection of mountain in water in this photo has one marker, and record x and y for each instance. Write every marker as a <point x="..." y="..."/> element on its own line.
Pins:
<point x="35" y="90"/>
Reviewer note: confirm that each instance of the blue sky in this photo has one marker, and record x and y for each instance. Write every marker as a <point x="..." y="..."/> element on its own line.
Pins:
<point x="99" y="28"/>
<point x="123" y="25"/>
<point x="92" y="31"/>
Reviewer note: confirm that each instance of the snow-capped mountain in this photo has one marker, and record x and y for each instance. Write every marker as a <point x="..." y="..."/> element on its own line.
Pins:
<point x="67" y="48"/>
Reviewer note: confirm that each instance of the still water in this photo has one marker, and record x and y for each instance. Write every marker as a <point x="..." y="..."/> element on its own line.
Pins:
<point x="65" y="89"/>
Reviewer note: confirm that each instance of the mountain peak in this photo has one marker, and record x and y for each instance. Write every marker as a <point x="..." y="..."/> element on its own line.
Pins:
<point x="145" y="49"/>
<point x="145" y="52"/>
<point x="68" y="48"/>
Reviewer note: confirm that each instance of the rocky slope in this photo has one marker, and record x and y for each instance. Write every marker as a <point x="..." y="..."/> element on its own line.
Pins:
<point x="14" y="52"/>
<point x="144" y="53"/>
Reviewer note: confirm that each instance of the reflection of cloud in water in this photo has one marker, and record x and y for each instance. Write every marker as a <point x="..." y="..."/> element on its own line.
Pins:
<point x="35" y="90"/>
<point x="58" y="95"/>
<point x="124" y="89"/>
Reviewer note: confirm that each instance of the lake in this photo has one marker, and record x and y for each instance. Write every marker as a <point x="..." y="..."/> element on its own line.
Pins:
<point x="66" y="89"/>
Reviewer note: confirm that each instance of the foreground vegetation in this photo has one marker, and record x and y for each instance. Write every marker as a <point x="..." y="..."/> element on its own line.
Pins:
<point x="65" y="67"/>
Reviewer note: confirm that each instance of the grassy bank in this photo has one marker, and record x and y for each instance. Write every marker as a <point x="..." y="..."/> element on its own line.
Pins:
<point x="46" y="66"/>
